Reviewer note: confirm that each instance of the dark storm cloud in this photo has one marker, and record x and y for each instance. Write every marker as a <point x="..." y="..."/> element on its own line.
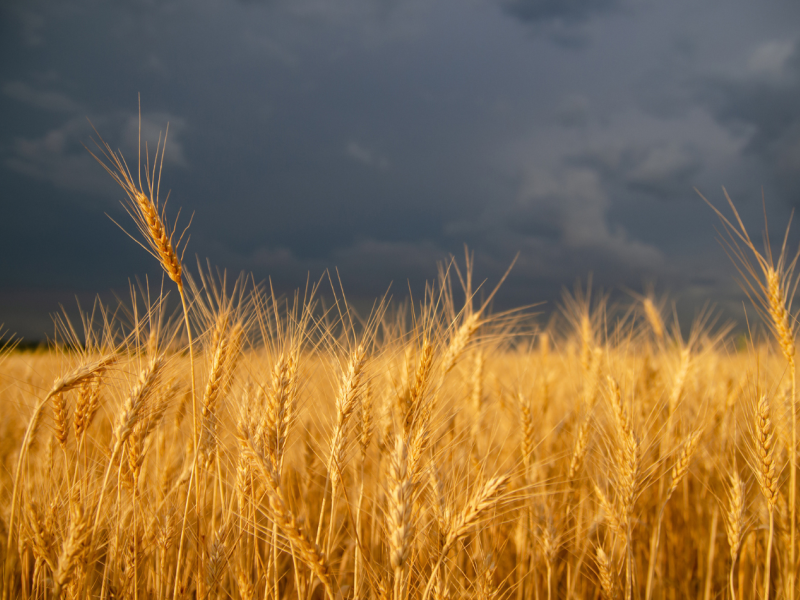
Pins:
<point x="564" y="22"/>
<point x="380" y="137"/>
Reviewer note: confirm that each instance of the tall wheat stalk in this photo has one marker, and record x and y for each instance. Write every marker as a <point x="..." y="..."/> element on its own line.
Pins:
<point x="398" y="516"/>
<point x="771" y="286"/>
<point x="627" y="473"/>
<point x="144" y="207"/>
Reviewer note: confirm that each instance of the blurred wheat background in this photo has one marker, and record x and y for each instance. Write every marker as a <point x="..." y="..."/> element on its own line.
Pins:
<point x="256" y="446"/>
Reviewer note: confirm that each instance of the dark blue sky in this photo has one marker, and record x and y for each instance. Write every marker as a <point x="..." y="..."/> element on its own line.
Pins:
<point x="378" y="136"/>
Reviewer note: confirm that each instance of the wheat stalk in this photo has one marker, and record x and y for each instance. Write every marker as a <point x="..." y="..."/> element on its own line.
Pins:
<point x="143" y="207"/>
<point x="734" y="521"/>
<point x="398" y="514"/>
<point x="678" y="473"/>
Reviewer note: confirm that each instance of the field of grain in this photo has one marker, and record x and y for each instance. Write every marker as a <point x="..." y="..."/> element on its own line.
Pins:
<point x="253" y="446"/>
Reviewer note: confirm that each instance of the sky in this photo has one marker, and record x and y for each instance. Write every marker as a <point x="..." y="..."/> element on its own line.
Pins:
<point x="378" y="137"/>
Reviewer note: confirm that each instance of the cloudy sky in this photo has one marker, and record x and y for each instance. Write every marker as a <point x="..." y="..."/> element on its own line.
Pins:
<point x="379" y="136"/>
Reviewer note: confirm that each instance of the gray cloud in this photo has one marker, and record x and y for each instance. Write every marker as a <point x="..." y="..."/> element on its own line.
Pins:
<point x="565" y="11"/>
<point x="662" y="169"/>
<point x="665" y="170"/>
<point x="569" y="207"/>
<point x="365" y="156"/>
<point x="32" y="28"/>
<point x="44" y="99"/>
<point x="573" y="111"/>
<point x="763" y="105"/>
<point x="59" y="155"/>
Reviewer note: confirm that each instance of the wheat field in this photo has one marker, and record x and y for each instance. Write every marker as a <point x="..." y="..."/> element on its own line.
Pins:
<point x="237" y="444"/>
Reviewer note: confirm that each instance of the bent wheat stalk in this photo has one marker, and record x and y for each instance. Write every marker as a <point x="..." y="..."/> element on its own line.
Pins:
<point x="310" y="553"/>
<point x="132" y="413"/>
<point x="63" y="384"/>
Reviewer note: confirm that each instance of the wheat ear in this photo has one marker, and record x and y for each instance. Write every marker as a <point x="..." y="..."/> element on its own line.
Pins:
<point x="482" y="502"/>
<point x="416" y="393"/>
<point x="653" y="316"/>
<point x="527" y="443"/>
<point x="682" y="464"/>
<point x="73" y="549"/>
<point x="627" y="454"/>
<point x="610" y="512"/>
<point x="460" y="340"/>
<point x="61" y="418"/>
<point x="346" y="402"/>
<point x="278" y="409"/>
<point x="579" y="451"/>
<point x="765" y="455"/>
<point x="86" y="407"/>
<point x="608" y="586"/>
<point x="143" y="205"/>
<point x="765" y="474"/>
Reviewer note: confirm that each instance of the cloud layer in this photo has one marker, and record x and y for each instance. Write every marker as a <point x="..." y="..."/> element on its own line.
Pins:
<point x="380" y="137"/>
